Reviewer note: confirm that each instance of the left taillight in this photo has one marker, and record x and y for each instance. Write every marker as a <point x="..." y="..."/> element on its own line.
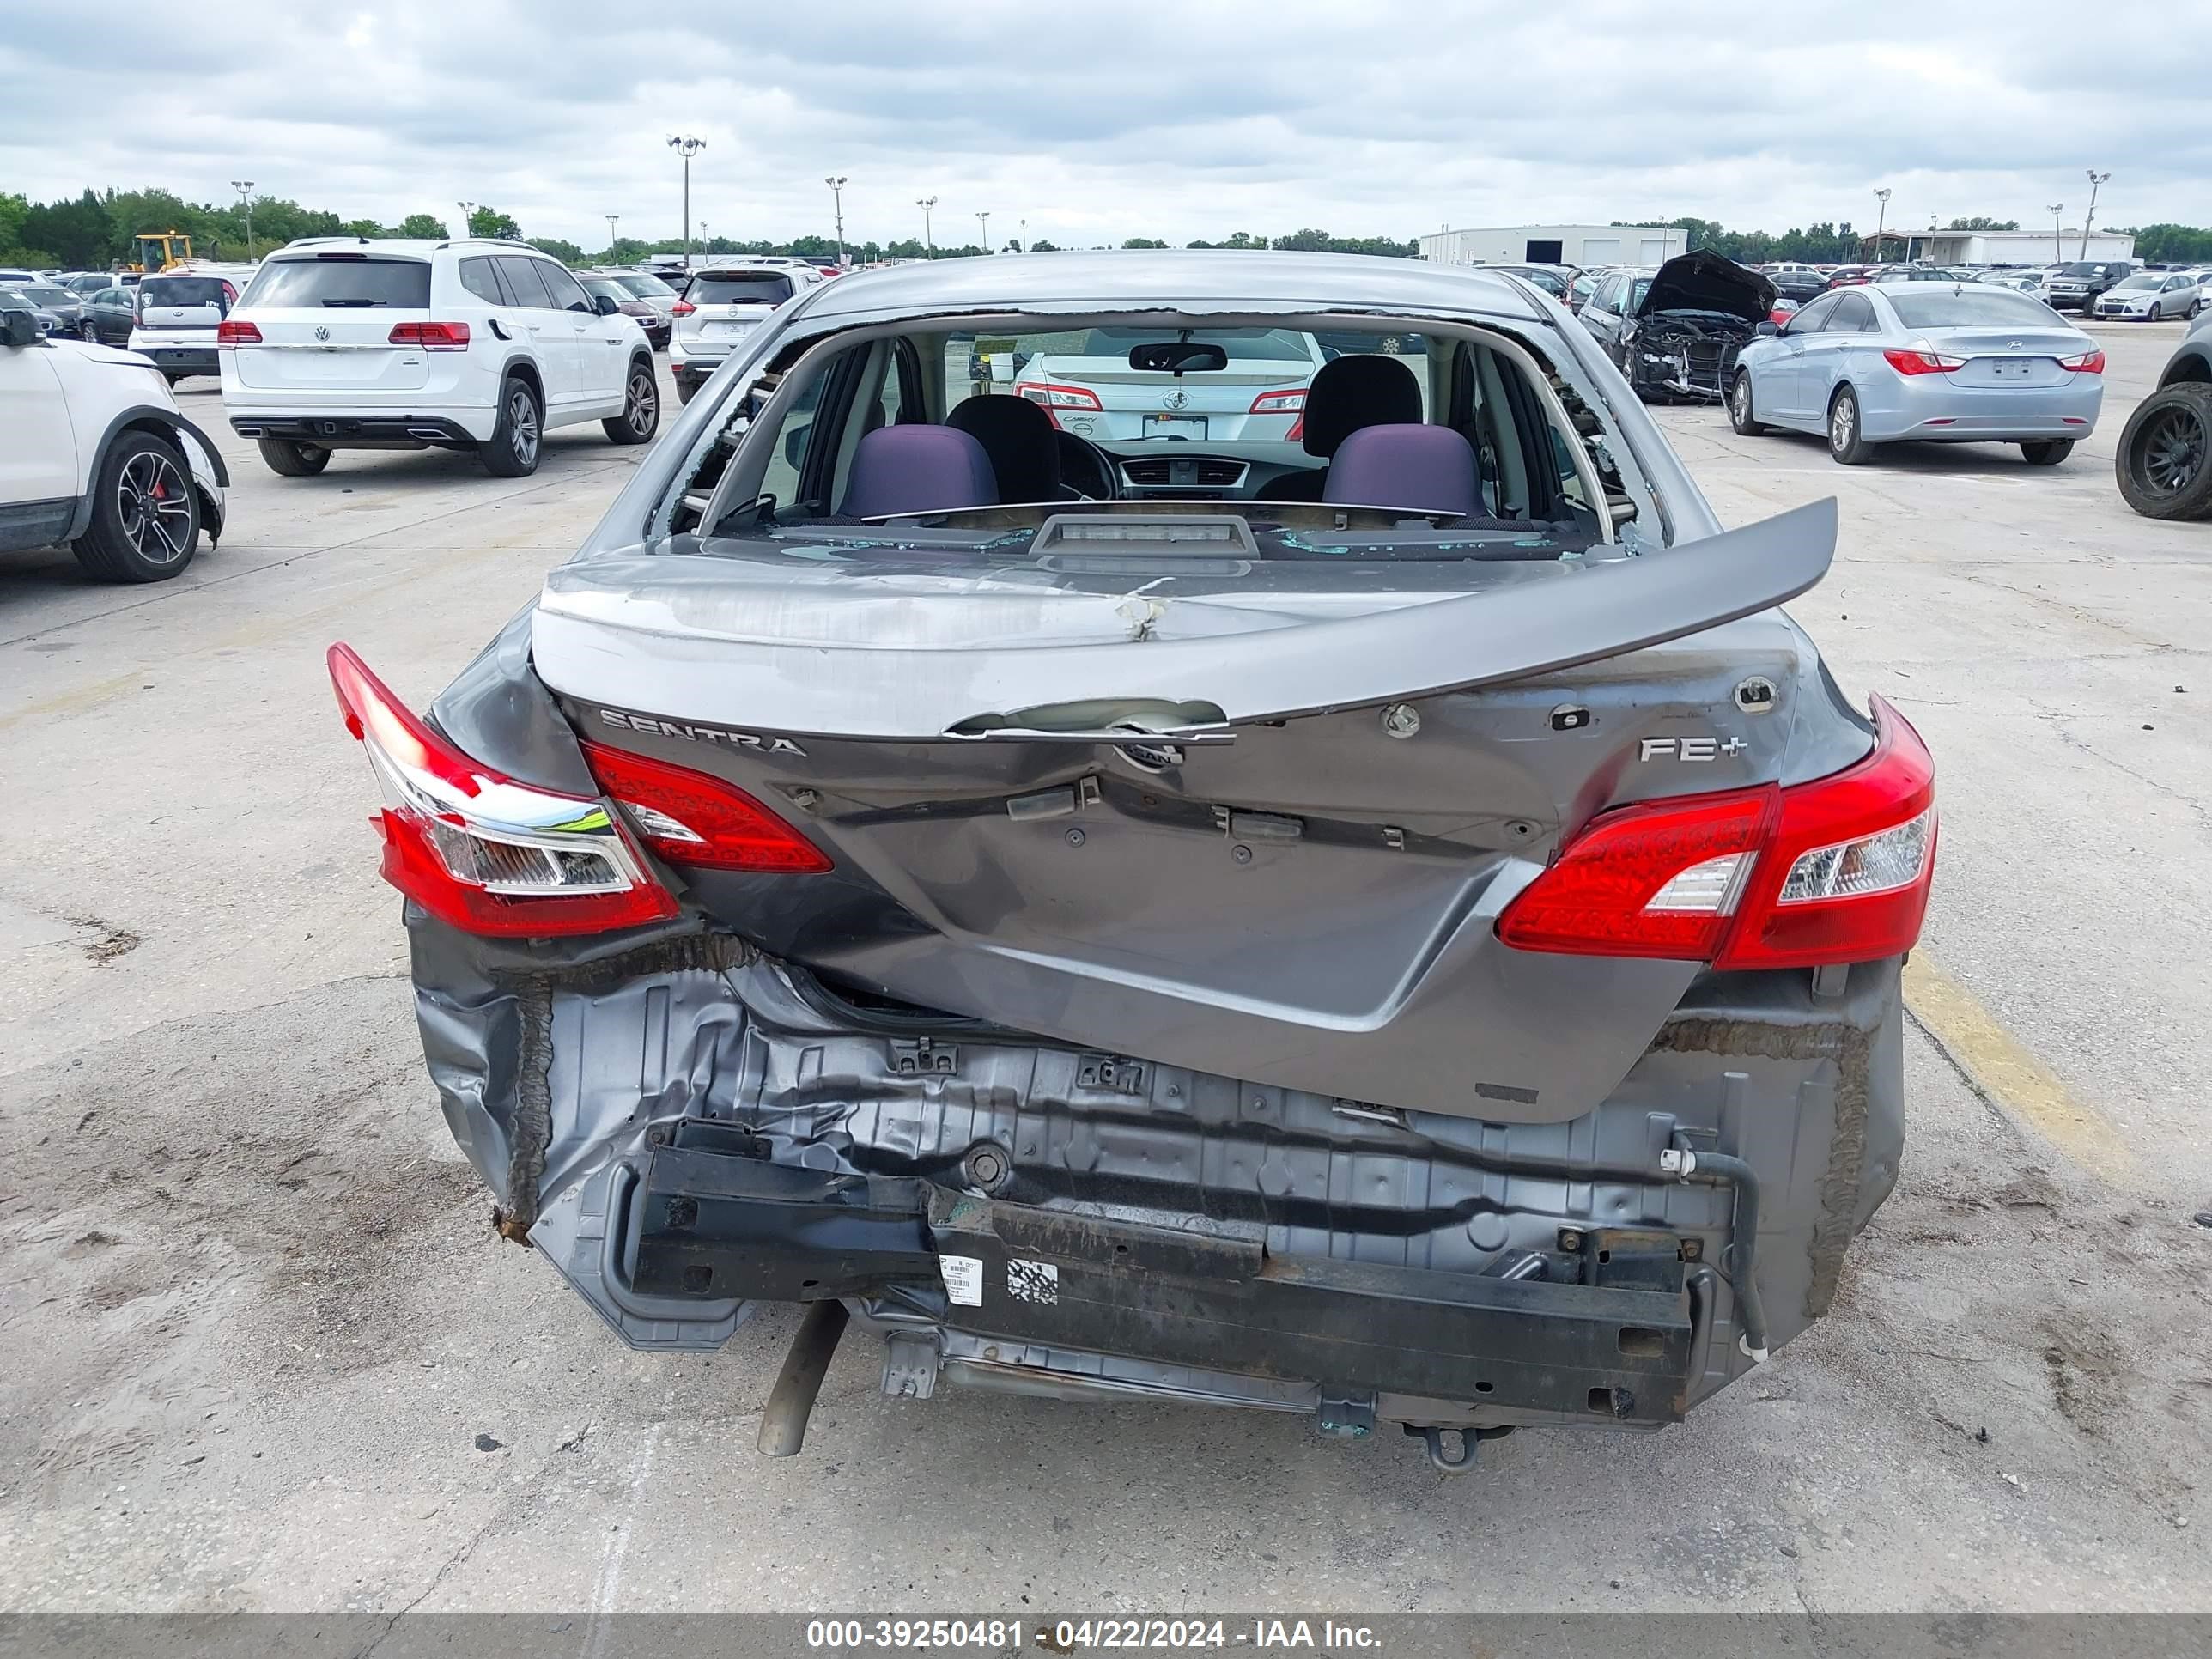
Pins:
<point x="480" y="851"/>
<point x="1833" y="871"/>
<point x="229" y="333"/>
<point x="431" y="337"/>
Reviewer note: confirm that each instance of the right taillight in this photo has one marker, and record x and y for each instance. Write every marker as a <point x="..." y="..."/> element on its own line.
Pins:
<point x="431" y="337"/>
<point x="229" y="333"/>
<point x="1058" y="396"/>
<point x="2084" y="362"/>
<point x="1833" y="871"/>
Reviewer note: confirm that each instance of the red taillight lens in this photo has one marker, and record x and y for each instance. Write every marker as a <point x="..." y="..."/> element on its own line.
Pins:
<point x="1846" y="876"/>
<point x="1921" y="362"/>
<point x="682" y="308"/>
<point x="480" y="851"/>
<point x="1833" y="871"/>
<point x="696" y="819"/>
<point x="2087" y="363"/>
<point x="229" y="333"/>
<point x="1280" y="403"/>
<point x="1661" y="878"/>
<point x="1058" y="396"/>
<point x="432" y="337"/>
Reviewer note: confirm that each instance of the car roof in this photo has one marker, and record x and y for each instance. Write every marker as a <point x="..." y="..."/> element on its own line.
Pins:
<point x="1175" y="279"/>
<point x="402" y="247"/>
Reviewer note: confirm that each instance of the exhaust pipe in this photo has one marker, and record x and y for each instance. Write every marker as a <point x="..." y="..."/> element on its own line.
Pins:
<point x="435" y="434"/>
<point x="791" y="1402"/>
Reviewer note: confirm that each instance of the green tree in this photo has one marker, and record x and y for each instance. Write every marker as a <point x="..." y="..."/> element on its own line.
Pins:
<point x="490" y="222"/>
<point x="1981" y="223"/>
<point x="1041" y="245"/>
<point x="1143" y="241"/>
<point x="422" y="226"/>
<point x="566" y="251"/>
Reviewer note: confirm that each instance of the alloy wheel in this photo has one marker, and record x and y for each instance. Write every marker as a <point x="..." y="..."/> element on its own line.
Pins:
<point x="1739" y="396"/>
<point x="642" y="407"/>
<point x="522" y="418"/>
<point x="1842" y="420"/>
<point x="154" y="509"/>
<point x="2174" y="448"/>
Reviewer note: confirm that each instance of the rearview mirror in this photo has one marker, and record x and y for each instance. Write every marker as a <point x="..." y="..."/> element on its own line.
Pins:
<point x="1177" y="357"/>
<point x="18" y="328"/>
<point x="605" y="304"/>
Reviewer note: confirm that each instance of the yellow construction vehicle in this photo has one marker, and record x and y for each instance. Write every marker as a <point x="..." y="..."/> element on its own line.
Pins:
<point x="158" y="250"/>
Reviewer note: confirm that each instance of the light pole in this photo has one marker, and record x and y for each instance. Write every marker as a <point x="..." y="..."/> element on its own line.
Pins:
<point x="984" y="220"/>
<point x="612" y="217"/>
<point x="468" y="209"/>
<point x="704" y="240"/>
<point x="1025" y="235"/>
<point x="687" y="147"/>
<point x="2095" y="180"/>
<point x="2057" y="247"/>
<point x="928" y="241"/>
<point x="837" y="183"/>
<point x="244" y="186"/>
<point x="1881" y="218"/>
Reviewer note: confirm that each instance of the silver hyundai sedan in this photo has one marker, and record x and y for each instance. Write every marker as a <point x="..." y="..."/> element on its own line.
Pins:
<point x="1961" y="362"/>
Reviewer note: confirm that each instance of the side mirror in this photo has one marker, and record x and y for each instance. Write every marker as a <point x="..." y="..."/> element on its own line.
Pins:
<point x="1767" y="330"/>
<point x="605" y="304"/>
<point x="18" y="328"/>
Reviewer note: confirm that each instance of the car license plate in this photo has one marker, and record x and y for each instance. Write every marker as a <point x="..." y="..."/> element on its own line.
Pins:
<point x="2009" y="371"/>
<point x="728" y="330"/>
<point x="1175" y="426"/>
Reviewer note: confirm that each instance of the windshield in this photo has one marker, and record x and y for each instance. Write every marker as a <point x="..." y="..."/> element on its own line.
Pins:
<point x="1965" y="306"/>
<point x="595" y="286"/>
<point x="46" y="293"/>
<point x="645" y="287"/>
<point x="2077" y="269"/>
<point x="2143" y="279"/>
<point x="343" y="280"/>
<point x="860" y="453"/>
<point x="739" y="287"/>
<point x="1279" y="345"/>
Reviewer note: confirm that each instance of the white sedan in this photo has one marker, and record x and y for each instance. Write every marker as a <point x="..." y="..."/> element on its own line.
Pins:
<point x="1091" y="388"/>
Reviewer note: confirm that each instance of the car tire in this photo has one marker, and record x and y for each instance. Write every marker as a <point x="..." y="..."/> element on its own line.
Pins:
<point x="1847" y="444"/>
<point x="513" y="449"/>
<point x="88" y="333"/>
<point x="2048" y="452"/>
<point x="640" y="415"/>
<point x="2165" y="460"/>
<point x="290" y="458"/>
<point x="145" y="513"/>
<point x="1739" y="407"/>
<point x="685" y="390"/>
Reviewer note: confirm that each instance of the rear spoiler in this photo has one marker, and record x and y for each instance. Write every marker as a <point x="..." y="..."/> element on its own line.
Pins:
<point x="671" y="633"/>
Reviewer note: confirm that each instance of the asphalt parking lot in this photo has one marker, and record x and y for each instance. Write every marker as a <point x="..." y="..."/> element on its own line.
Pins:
<point x="266" y="1353"/>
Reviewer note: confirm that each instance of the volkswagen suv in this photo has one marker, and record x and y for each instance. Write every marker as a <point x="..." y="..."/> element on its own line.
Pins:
<point x="478" y="345"/>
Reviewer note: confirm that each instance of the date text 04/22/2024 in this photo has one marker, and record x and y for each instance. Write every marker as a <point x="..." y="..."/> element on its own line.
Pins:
<point x="1256" y="1635"/>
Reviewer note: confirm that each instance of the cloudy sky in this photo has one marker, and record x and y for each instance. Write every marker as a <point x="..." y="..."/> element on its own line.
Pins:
<point x="1097" y="122"/>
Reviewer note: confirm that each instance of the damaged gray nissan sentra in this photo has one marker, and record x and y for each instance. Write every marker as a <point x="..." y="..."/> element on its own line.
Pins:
<point x="1388" y="922"/>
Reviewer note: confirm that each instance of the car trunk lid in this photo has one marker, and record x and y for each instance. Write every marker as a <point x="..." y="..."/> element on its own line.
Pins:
<point x="1260" y="828"/>
<point x="326" y="323"/>
<point x="2025" y="357"/>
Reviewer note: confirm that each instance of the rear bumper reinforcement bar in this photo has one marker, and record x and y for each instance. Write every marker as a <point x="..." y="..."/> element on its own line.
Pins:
<point x="694" y="1228"/>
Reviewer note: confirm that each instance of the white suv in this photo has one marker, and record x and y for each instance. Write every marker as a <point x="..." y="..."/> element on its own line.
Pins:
<point x="342" y="343"/>
<point x="93" y="454"/>
<point x="721" y="308"/>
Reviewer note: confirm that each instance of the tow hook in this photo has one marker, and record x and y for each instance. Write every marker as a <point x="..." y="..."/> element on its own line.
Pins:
<point x="1469" y="1441"/>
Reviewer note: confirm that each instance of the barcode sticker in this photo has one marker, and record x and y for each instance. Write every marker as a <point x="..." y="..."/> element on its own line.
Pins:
<point x="963" y="1279"/>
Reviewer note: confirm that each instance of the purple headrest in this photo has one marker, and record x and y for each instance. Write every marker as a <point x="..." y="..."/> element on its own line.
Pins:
<point x="1419" y="469"/>
<point x="917" y="469"/>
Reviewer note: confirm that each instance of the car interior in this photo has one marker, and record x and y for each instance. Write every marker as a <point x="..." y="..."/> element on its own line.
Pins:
<point x="1444" y="444"/>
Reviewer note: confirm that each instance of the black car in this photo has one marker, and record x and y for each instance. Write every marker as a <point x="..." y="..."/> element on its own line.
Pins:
<point x="110" y="314"/>
<point x="66" y="308"/>
<point x="1798" y="285"/>
<point x="656" y="322"/>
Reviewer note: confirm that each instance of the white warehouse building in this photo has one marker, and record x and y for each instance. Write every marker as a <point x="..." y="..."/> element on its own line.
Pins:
<point x="2020" y="247"/>
<point x="1555" y="244"/>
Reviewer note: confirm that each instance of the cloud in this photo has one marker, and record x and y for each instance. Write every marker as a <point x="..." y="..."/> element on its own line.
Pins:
<point x="1383" y="117"/>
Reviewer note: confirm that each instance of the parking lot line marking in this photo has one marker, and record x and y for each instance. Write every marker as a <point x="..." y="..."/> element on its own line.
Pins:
<point x="2005" y="1074"/>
